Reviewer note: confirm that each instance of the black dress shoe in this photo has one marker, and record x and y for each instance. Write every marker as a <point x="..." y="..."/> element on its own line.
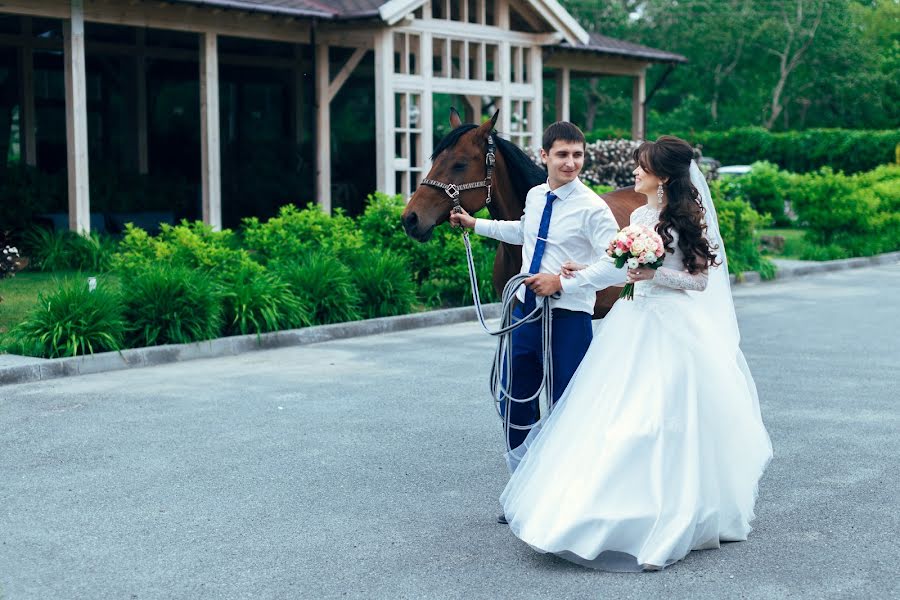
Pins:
<point x="502" y="519"/>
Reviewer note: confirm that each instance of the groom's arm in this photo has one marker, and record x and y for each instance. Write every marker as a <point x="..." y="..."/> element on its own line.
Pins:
<point x="600" y="228"/>
<point x="511" y="232"/>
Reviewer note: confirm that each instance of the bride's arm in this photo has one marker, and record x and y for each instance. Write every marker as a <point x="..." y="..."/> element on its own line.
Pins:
<point x="601" y="228"/>
<point x="681" y="280"/>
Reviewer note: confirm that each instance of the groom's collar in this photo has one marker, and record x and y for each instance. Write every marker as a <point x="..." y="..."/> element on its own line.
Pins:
<point x="564" y="191"/>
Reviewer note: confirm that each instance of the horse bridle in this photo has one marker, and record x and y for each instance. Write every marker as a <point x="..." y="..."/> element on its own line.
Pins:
<point x="453" y="189"/>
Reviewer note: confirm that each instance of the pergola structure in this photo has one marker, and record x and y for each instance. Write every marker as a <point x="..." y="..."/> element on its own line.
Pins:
<point x="496" y="51"/>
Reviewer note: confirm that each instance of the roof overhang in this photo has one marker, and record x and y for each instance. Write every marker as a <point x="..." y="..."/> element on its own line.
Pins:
<point x="393" y="11"/>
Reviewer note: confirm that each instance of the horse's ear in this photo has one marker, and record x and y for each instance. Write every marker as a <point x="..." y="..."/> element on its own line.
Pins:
<point x="455" y="121"/>
<point x="489" y="125"/>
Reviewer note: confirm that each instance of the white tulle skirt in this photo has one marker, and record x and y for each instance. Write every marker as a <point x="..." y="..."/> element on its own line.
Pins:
<point x="655" y="449"/>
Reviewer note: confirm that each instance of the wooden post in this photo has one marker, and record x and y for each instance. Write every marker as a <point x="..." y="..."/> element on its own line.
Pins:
<point x="210" y="164"/>
<point x="297" y="84"/>
<point x="505" y="67"/>
<point x="638" y="95"/>
<point x="426" y="116"/>
<point x="26" y="118"/>
<point x="563" y="94"/>
<point x="76" y="121"/>
<point x="140" y="65"/>
<point x="323" y="129"/>
<point x="384" y="112"/>
<point x="537" y="107"/>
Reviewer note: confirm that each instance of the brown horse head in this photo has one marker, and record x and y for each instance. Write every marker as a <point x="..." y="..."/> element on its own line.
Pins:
<point x="459" y="158"/>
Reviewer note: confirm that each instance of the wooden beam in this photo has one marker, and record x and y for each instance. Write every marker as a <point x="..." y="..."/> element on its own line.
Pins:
<point x="26" y="127"/>
<point x="163" y="15"/>
<point x="76" y="121"/>
<point x="476" y="32"/>
<point x="537" y="107"/>
<point x="210" y="163"/>
<point x="341" y="78"/>
<point x="323" y="129"/>
<point x="384" y="111"/>
<point x="638" y="105"/>
<point x="563" y="94"/>
<point x="594" y="64"/>
<point x="140" y="67"/>
<point x="298" y="95"/>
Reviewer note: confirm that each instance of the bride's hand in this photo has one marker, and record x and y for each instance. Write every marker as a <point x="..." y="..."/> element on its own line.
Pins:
<point x="568" y="269"/>
<point x="640" y="274"/>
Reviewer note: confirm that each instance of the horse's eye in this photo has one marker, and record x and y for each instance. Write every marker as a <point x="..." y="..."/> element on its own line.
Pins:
<point x="460" y="166"/>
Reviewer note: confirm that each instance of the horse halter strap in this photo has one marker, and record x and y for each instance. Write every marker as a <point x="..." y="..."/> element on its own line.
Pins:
<point x="453" y="189"/>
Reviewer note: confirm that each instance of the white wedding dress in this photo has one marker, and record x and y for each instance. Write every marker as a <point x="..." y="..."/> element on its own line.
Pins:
<point x="656" y="447"/>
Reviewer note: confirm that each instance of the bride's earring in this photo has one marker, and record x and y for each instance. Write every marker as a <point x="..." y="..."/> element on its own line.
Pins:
<point x="659" y="194"/>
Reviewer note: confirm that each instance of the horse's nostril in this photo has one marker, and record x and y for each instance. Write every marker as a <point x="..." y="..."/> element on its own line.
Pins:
<point x="412" y="219"/>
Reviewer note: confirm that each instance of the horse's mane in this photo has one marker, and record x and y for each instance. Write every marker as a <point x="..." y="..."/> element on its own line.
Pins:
<point x="523" y="173"/>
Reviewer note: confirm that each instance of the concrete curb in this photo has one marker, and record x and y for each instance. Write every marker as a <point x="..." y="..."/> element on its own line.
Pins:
<point x="40" y="369"/>
<point x="789" y="271"/>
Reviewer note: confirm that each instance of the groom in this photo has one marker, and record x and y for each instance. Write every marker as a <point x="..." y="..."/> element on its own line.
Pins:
<point x="564" y="220"/>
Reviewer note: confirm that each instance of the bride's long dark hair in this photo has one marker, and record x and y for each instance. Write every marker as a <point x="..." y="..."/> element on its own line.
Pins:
<point x="669" y="158"/>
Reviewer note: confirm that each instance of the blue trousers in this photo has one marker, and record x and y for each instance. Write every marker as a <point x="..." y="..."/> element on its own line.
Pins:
<point x="572" y="334"/>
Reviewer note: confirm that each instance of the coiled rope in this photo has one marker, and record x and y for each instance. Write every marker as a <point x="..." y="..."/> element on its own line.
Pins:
<point x="503" y="354"/>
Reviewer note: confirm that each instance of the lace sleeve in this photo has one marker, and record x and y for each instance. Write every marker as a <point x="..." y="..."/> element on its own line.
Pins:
<point x="681" y="280"/>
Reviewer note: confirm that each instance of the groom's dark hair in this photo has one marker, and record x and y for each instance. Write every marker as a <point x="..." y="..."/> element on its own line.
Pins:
<point x="562" y="130"/>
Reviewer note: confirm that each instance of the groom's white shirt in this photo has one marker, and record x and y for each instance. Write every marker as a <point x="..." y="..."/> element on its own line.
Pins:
<point x="581" y="227"/>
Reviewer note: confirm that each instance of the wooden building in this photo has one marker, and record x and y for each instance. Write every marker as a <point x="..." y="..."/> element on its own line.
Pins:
<point x="204" y="88"/>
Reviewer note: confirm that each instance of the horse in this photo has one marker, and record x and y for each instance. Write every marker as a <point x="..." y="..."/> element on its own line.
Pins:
<point x="461" y="158"/>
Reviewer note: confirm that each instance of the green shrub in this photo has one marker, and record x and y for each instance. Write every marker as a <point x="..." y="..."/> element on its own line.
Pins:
<point x="767" y="188"/>
<point x="322" y="283"/>
<point x="191" y="245"/>
<point x="52" y="250"/>
<point x="256" y="301"/>
<point x="438" y="265"/>
<point x="738" y="224"/>
<point x="385" y="283"/>
<point x="70" y="321"/>
<point x="295" y="232"/>
<point x="847" y="150"/>
<point x="170" y="305"/>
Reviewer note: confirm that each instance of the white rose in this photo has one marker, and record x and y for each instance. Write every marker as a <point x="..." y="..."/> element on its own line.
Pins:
<point x="633" y="263"/>
<point x="618" y="251"/>
<point x="14" y="249"/>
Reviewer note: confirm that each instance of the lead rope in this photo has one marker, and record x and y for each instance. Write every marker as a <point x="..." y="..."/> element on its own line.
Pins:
<point x="503" y="355"/>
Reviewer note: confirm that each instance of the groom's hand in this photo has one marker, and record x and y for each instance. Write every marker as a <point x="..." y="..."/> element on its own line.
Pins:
<point x="462" y="219"/>
<point x="544" y="284"/>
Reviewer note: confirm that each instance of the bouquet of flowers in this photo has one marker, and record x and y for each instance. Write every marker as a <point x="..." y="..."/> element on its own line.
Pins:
<point x="636" y="246"/>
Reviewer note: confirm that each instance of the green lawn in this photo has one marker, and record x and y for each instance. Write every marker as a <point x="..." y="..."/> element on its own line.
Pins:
<point x="20" y="293"/>
<point x="793" y="241"/>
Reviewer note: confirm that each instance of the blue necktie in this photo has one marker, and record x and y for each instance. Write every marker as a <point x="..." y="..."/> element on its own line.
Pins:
<point x="539" y="246"/>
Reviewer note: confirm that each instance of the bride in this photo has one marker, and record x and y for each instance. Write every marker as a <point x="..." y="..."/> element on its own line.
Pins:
<point x="657" y="445"/>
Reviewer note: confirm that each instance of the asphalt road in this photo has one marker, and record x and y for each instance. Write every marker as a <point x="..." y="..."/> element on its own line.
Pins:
<point x="370" y="468"/>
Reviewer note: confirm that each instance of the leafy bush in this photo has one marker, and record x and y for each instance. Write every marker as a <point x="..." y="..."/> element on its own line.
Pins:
<point x="256" y="301"/>
<point x="193" y="245"/>
<point x="294" y="232"/>
<point x="767" y="189"/>
<point x="53" y="250"/>
<point x="170" y="305"/>
<point x="324" y="284"/>
<point x="385" y="283"/>
<point x="439" y="265"/>
<point x="738" y="224"/>
<point x="850" y="215"/>
<point x="71" y="321"/>
<point x="848" y="150"/>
